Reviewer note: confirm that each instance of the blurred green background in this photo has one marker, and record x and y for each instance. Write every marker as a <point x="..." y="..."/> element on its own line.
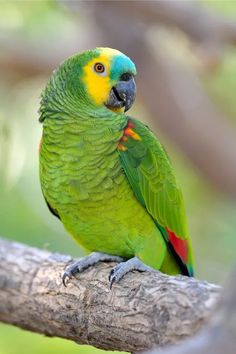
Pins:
<point x="31" y="29"/>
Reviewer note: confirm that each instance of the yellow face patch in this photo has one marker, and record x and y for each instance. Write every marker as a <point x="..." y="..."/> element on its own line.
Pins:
<point x="99" y="84"/>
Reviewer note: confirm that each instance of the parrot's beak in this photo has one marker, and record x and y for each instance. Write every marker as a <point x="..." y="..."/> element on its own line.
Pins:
<point x="123" y="93"/>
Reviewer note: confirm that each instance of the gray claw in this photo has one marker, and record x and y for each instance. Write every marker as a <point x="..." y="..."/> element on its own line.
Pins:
<point x="86" y="262"/>
<point x="65" y="275"/>
<point x="117" y="273"/>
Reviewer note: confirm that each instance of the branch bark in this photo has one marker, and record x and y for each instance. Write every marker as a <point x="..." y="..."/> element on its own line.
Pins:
<point x="219" y="336"/>
<point x="141" y="311"/>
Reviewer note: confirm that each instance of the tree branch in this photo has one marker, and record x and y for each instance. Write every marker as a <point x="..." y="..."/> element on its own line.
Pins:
<point x="219" y="336"/>
<point x="141" y="311"/>
<point x="199" y="22"/>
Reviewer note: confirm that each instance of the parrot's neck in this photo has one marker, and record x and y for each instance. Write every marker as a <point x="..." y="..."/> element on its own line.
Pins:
<point x="64" y="125"/>
<point x="78" y="139"/>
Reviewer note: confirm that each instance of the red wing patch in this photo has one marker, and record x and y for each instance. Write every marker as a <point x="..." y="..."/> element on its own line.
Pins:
<point x="180" y="246"/>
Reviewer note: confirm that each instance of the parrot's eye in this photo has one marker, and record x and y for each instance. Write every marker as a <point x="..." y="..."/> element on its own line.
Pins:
<point x="99" y="68"/>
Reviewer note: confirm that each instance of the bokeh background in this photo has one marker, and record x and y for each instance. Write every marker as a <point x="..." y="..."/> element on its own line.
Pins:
<point x="186" y="60"/>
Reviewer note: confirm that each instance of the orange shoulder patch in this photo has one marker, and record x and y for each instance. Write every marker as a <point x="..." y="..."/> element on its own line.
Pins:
<point x="128" y="133"/>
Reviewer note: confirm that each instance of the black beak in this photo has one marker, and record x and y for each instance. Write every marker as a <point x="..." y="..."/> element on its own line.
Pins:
<point x="123" y="94"/>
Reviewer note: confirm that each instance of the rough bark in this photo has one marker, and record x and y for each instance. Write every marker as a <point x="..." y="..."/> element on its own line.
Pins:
<point x="219" y="336"/>
<point x="141" y="311"/>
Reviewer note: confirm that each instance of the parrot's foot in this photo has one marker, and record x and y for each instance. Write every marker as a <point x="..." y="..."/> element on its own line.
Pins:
<point x="86" y="262"/>
<point x="121" y="269"/>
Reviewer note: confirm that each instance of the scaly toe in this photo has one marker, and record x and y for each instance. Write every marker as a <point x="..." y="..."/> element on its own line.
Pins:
<point x="69" y="272"/>
<point x="64" y="277"/>
<point x="86" y="262"/>
<point x="117" y="273"/>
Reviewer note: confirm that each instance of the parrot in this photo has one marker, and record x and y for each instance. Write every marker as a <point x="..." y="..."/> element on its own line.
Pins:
<point x="105" y="174"/>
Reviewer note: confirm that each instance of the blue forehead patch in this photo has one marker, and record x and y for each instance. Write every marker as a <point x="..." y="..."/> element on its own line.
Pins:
<point x="121" y="64"/>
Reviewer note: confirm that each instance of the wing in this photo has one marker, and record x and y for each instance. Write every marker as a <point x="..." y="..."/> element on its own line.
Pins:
<point x="151" y="176"/>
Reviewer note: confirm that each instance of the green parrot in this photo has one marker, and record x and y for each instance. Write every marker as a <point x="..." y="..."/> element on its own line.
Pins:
<point x="105" y="175"/>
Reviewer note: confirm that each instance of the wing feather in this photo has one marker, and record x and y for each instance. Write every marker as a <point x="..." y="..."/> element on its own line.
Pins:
<point x="151" y="176"/>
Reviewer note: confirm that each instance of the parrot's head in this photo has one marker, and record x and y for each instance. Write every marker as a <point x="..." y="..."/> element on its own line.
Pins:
<point x="95" y="81"/>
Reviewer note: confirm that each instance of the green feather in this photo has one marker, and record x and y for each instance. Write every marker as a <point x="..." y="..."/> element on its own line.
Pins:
<point x="151" y="176"/>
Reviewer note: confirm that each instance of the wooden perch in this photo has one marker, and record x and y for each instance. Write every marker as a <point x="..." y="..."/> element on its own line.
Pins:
<point x="141" y="311"/>
<point x="219" y="337"/>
